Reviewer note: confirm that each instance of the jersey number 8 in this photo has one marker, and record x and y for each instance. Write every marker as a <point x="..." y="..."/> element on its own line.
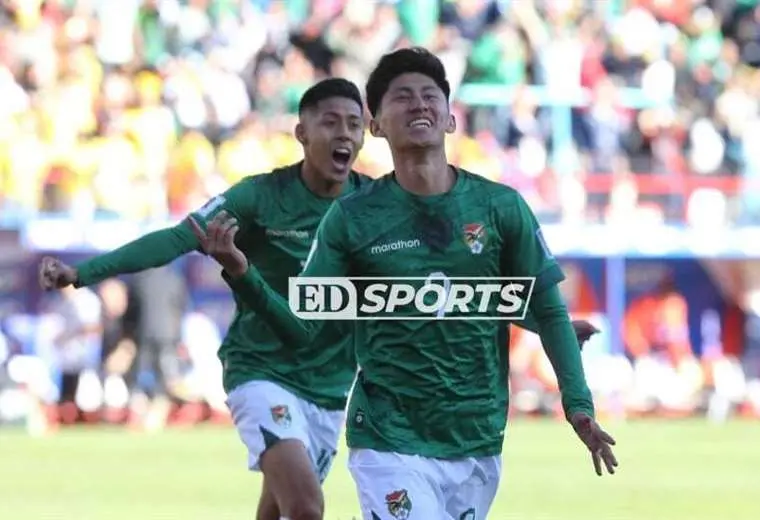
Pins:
<point x="438" y="276"/>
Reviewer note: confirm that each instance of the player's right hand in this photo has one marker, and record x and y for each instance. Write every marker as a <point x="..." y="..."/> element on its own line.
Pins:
<point x="583" y="331"/>
<point x="54" y="274"/>
<point x="218" y="241"/>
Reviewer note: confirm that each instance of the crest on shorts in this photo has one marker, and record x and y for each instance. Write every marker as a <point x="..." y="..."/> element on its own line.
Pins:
<point x="399" y="504"/>
<point x="281" y="415"/>
<point x="475" y="237"/>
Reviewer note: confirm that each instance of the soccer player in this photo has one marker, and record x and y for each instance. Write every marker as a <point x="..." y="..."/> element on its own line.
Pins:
<point x="287" y="400"/>
<point x="427" y="416"/>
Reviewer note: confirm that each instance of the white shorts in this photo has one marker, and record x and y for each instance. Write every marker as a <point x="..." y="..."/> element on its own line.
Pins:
<point x="264" y="412"/>
<point x="392" y="486"/>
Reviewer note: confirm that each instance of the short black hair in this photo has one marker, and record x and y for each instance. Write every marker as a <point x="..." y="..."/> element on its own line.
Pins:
<point x="328" y="88"/>
<point x="403" y="61"/>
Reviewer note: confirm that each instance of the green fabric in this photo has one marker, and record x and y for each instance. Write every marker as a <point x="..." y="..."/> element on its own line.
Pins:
<point x="434" y="388"/>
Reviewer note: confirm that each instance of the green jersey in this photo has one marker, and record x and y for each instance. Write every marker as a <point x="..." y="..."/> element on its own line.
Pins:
<point x="278" y="218"/>
<point x="435" y="388"/>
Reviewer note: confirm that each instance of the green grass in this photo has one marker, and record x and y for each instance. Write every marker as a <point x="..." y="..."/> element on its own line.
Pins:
<point x="668" y="471"/>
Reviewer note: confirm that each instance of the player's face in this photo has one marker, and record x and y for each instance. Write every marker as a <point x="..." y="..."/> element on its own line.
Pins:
<point x="414" y="113"/>
<point x="332" y="135"/>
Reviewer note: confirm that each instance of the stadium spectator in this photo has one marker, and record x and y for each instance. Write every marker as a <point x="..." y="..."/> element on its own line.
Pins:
<point x="142" y="108"/>
<point x="158" y="302"/>
<point x="668" y="377"/>
<point x="119" y="349"/>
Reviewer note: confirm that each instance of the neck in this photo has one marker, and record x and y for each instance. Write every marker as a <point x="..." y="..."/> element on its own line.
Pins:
<point x="317" y="184"/>
<point x="424" y="172"/>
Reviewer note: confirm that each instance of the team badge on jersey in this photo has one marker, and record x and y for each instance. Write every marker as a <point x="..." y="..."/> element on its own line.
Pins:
<point x="475" y="237"/>
<point x="399" y="504"/>
<point x="281" y="415"/>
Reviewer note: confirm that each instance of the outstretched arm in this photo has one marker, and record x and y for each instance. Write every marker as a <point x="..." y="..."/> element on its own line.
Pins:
<point x="154" y="249"/>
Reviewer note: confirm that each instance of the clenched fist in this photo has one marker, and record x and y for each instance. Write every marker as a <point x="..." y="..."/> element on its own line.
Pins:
<point x="54" y="274"/>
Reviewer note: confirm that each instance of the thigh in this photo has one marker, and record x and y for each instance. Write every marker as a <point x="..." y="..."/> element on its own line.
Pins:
<point x="265" y="414"/>
<point x="324" y="435"/>
<point x="472" y="497"/>
<point x="396" y="487"/>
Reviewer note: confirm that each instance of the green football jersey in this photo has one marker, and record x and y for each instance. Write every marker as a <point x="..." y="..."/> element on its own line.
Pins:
<point x="278" y="217"/>
<point x="434" y="388"/>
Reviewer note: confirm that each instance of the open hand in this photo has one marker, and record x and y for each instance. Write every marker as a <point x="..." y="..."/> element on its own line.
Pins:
<point x="583" y="331"/>
<point x="597" y="441"/>
<point x="54" y="274"/>
<point x="218" y="241"/>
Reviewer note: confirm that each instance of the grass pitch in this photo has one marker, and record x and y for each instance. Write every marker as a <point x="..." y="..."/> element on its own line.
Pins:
<point x="679" y="470"/>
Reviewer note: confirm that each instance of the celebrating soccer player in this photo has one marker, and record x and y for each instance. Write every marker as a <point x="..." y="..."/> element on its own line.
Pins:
<point x="287" y="400"/>
<point x="427" y="417"/>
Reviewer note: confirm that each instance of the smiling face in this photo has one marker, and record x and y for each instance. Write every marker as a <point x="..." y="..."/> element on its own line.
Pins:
<point x="332" y="134"/>
<point x="413" y="113"/>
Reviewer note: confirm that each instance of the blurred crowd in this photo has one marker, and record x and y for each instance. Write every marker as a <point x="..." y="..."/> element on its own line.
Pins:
<point x="138" y="352"/>
<point x="125" y="352"/>
<point x="141" y="109"/>
<point x="597" y="111"/>
<point x="660" y="372"/>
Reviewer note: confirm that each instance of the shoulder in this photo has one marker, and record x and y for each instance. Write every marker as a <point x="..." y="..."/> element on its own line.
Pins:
<point x="358" y="179"/>
<point x="369" y="194"/>
<point x="498" y="194"/>
<point x="277" y="179"/>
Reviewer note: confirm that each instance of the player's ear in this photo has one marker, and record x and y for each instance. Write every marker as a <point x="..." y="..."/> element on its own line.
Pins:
<point x="300" y="133"/>
<point x="374" y="128"/>
<point x="451" y="126"/>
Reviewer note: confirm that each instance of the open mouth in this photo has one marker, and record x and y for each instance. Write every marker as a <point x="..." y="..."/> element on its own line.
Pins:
<point x="421" y="123"/>
<point x="341" y="157"/>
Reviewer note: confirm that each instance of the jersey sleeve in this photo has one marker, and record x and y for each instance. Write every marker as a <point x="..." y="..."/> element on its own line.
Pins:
<point x="149" y="251"/>
<point x="244" y="201"/>
<point x="329" y="253"/>
<point x="526" y="254"/>
<point x="166" y="245"/>
<point x="328" y="257"/>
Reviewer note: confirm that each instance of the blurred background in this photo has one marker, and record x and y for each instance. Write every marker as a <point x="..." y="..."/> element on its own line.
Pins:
<point x="631" y="127"/>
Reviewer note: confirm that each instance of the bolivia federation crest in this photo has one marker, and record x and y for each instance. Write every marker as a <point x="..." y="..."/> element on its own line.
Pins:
<point x="281" y="415"/>
<point x="399" y="504"/>
<point x="475" y="237"/>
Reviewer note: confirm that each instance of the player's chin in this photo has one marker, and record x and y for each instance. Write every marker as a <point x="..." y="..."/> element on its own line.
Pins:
<point x="338" y="171"/>
<point x="423" y="138"/>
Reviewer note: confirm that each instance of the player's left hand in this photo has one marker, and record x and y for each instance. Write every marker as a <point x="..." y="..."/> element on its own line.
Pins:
<point x="583" y="331"/>
<point x="597" y="441"/>
<point x="218" y="241"/>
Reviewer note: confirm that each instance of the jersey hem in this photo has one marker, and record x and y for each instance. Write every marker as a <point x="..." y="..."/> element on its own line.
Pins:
<point x="231" y="382"/>
<point x="430" y="453"/>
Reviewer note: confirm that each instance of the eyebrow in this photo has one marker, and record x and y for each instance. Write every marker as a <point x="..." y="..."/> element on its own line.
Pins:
<point x="331" y="113"/>
<point x="409" y="90"/>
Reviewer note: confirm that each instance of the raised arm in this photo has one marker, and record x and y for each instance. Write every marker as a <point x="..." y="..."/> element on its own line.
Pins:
<point x="328" y="257"/>
<point x="529" y="256"/>
<point x="152" y="250"/>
